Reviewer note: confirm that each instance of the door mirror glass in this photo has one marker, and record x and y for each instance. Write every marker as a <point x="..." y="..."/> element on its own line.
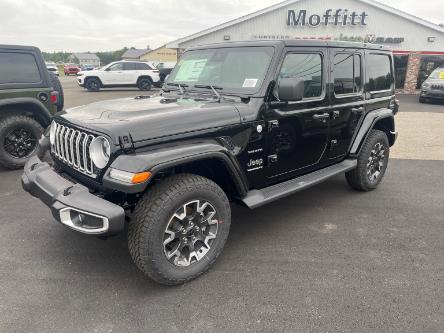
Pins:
<point x="291" y="89"/>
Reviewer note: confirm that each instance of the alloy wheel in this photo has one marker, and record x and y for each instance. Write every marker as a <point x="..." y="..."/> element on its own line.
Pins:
<point x="20" y="143"/>
<point x="375" y="162"/>
<point x="190" y="233"/>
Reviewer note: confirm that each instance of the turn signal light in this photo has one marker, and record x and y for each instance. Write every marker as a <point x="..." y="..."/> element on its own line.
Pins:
<point x="129" y="177"/>
<point x="140" y="177"/>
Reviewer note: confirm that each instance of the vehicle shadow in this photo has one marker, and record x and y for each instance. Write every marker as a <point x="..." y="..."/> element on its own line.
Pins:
<point x="92" y="257"/>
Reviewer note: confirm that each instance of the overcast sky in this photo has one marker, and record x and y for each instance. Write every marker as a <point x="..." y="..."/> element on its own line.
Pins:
<point x="98" y="25"/>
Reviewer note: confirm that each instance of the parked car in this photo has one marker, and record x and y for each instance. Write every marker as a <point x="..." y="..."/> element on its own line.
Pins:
<point x="433" y="87"/>
<point x="87" y="67"/>
<point x="52" y="67"/>
<point x="120" y="74"/>
<point x="248" y="123"/>
<point x="165" y="69"/>
<point x="28" y="100"/>
<point x="71" y="69"/>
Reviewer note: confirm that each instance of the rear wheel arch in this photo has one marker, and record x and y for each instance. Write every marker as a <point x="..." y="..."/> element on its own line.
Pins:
<point x="145" y="77"/>
<point x="386" y="125"/>
<point x="27" y="108"/>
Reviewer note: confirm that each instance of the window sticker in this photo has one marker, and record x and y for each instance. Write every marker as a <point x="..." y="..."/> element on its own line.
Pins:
<point x="190" y="70"/>
<point x="250" y="83"/>
<point x="441" y="75"/>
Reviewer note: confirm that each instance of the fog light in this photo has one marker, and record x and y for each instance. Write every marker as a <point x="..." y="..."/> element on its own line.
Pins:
<point x="84" y="222"/>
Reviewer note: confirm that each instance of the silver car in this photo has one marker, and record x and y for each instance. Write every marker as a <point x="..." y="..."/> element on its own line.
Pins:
<point x="433" y="87"/>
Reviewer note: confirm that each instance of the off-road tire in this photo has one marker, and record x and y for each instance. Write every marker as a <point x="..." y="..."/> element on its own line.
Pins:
<point x="144" y="83"/>
<point x="152" y="214"/>
<point x="57" y="86"/>
<point x="92" y="84"/>
<point x="358" y="178"/>
<point x="6" y="125"/>
<point x="423" y="100"/>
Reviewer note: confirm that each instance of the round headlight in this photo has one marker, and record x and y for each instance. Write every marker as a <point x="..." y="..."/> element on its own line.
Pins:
<point x="52" y="132"/>
<point x="100" y="151"/>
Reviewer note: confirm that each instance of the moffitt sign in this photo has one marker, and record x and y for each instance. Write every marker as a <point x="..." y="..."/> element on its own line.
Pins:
<point x="339" y="17"/>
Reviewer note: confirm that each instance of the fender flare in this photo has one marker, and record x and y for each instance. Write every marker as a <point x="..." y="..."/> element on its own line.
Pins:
<point x="43" y="116"/>
<point x="167" y="156"/>
<point x="367" y="125"/>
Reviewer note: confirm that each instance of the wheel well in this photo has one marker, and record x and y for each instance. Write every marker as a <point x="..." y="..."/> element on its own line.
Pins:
<point x="143" y="77"/>
<point x="211" y="168"/>
<point x="27" y="109"/>
<point x="94" y="77"/>
<point x="386" y="125"/>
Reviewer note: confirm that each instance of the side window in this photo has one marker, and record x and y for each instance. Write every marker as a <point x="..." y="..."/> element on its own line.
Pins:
<point x="307" y="66"/>
<point x="347" y="73"/>
<point x="116" y="67"/>
<point x="142" y="67"/>
<point x="18" y="68"/>
<point x="129" y="66"/>
<point x="379" y="72"/>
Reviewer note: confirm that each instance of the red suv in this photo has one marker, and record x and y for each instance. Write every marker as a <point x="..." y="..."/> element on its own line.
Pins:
<point x="71" y="69"/>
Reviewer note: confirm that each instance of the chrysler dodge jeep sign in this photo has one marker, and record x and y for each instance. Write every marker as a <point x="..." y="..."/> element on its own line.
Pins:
<point x="339" y="17"/>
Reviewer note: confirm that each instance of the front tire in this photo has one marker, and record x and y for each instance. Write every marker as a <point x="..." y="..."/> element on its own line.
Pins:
<point x="372" y="163"/>
<point x="92" y="84"/>
<point x="179" y="229"/>
<point x="19" y="137"/>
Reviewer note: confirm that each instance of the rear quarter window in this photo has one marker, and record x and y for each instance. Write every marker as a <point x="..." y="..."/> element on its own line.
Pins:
<point x="379" y="72"/>
<point x="18" y="68"/>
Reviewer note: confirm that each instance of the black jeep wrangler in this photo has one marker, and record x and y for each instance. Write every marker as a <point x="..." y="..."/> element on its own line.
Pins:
<point x="29" y="96"/>
<point x="246" y="122"/>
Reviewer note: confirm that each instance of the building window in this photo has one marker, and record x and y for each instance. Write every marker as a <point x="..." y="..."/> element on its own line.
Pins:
<point x="347" y="73"/>
<point x="307" y="66"/>
<point x="401" y="62"/>
<point x="379" y="72"/>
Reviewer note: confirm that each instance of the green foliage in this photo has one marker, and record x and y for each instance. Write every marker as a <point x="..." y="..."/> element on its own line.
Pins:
<point x="105" y="57"/>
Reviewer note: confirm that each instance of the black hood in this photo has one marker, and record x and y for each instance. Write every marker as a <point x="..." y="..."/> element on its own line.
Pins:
<point x="149" y="118"/>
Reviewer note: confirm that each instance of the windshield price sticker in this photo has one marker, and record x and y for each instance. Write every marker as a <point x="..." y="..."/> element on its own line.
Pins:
<point x="190" y="70"/>
<point x="441" y="75"/>
<point x="250" y="83"/>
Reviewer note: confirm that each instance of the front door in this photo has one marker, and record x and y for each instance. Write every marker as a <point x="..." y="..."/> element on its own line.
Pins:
<point x="347" y="99"/>
<point x="114" y="75"/>
<point x="298" y="132"/>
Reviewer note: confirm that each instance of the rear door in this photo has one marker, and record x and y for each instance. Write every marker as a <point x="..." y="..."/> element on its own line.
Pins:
<point x="347" y="98"/>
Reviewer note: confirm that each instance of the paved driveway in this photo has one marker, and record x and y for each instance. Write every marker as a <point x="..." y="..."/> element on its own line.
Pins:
<point x="324" y="260"/>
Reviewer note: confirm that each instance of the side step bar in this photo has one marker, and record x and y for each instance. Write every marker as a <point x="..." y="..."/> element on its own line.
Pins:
<point x="256" y="198"/>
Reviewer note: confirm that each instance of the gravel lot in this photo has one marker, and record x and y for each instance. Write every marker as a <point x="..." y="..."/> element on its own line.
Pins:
<point x="324" y="260"/>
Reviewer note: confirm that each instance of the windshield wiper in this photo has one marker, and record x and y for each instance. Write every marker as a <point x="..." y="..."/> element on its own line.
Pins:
<point x="180" y="86"/>
<point x="213" y="88"/>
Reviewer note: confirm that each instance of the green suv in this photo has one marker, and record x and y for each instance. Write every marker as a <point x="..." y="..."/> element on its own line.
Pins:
<point x="29" y="96"/>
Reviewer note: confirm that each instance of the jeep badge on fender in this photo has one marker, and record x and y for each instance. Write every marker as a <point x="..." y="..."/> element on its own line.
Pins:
<point x="324" y="108"/>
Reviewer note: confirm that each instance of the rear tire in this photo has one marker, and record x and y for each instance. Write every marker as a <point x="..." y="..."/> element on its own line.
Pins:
<point x="422" y="100"/>
<point x="92" y="84"/>
<point x="372" y="162"/>
<point x="144" y="83"/>
<point x="19" y="136"/>
<point x="168" y="240"/>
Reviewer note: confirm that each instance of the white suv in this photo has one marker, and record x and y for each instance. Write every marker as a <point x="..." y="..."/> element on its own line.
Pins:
<point x="120" y="74"/>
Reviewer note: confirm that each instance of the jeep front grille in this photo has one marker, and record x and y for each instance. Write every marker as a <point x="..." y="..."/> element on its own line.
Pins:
<point x="437" y="86"/>
<point x="72" y="147"/>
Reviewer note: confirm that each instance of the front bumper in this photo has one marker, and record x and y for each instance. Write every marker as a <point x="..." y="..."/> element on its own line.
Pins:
<point x="432" y="94"/>
<point x="68" y="201"/>
<point x="81" y="81"/>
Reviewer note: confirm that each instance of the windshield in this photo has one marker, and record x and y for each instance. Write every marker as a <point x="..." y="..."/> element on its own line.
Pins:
<point x="437" y="74"/>
<point x="240" y="69"/>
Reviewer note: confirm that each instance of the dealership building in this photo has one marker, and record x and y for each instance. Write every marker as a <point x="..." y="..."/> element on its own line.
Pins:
<point x="418" y="45"/>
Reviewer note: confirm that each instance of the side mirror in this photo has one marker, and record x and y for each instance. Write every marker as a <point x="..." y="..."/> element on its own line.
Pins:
<point x="291" y="89"/>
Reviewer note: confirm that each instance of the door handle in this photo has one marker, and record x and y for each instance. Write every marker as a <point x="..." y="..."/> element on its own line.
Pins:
<point x="322" y="116"/>
<point x="358" y="109"/>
